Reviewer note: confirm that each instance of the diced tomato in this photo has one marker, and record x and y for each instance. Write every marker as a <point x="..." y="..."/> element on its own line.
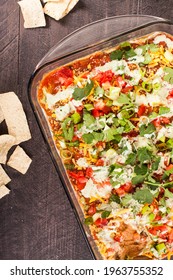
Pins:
<point x="80" y="186"/>
<point x="126" y="188"/>
<point x="170" y="95"/>
<point x="156" y="122"/>
<point x="79" y="109"/>
<point x="100" y="162"/>
<point x="100" y="109"/>
<point x="65" y="76"/>
<point x="89" y="172"/>
<point x="101" y="222"/>
<point x="81" y="180"/>
<point x="92" y="210"/>
<point x="170" y="237"/>
<point x="97" y="113"/>
<point x="160" y="231"/>
<point x="161" y="121"/>
<point x="157" y="218"/>
<point x="104" y="77"/>
<point x="141" y="110"/>
<point x="126" y="89"/>
<point x="117" y="238"/>
<point x="119" y="82"/>
<point x="169" y="167"/>
<point x="162" y="43"/>
<point x="75" y="138"/>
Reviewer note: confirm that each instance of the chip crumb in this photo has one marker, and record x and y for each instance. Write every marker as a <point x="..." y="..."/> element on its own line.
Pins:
<point x="4" y="178"/>
<point x="19" y="160"/>
<point x="3" y="191"/>
<point x="33" y="14"/>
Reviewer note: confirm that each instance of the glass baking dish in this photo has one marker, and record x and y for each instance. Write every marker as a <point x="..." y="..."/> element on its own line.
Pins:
<point x="96" y="36"/>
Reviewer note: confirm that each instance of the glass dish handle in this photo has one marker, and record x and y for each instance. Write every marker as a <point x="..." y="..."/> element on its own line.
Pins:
<point x="90" y="34"/>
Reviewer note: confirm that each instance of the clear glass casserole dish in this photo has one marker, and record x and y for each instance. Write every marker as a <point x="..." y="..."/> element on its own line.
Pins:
<point x="100" y="35"/>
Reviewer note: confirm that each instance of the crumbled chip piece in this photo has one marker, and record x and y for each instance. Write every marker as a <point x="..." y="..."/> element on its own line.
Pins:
<point x="3" y="191"/>
<point x="4" y="178"/>
<point x="19" y="160"/>
<point x="6" y="142"/>
<point x="15" y="117"/>
<point x="33" y="14"/>
<point x="56" y="10"/>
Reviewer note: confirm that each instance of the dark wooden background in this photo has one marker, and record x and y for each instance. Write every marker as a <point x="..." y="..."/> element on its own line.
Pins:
<point x="36" y="219"/>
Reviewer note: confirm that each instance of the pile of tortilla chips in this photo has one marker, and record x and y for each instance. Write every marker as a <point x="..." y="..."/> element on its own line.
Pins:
<point x="12" y="112"/>
<point x="33" y="10"/>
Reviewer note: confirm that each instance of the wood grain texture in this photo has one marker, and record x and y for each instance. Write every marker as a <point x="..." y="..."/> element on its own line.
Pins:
<point x="37" y="220"/>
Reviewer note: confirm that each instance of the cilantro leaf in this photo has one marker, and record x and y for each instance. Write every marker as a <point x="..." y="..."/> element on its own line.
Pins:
<point x="143" y="196"/>
<point x="109" y="134"/>
<point x="88" y="138"/>
<point x="88" y="119"/>
<point x="147" y="129"/>
<point x="155" y="164"/>
<point x="147" y="58"/>
<point x="126" y="199"/>
<point x="138" y="179"/>
<point x="169" y="75"/>
<point x="123" y="99"/>
<point x="144" y="155"/>
<point x="80" y="93"/>
<point x="167" y="193"/>
<point x="131" y="159"/>
<point x="114" y="198"/>
<point x="141" y="170"/>
<point x="98" y="136"/>
<point x="117" y="54"/>
<point x="164" y="110"/>
<point x="98" y="92"/>
<point x="129" y="53"/>
<point x="105" y="214"/>
<point x="68" y="129"/>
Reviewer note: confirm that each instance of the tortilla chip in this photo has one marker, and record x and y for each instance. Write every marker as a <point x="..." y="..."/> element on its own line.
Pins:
<point x="56" y="10"/>
<point x="3" y="191"/>
<point x="6" y="142"/>
<point x="1" y="115"/>
<point x="15" y="117"/>
<point x="4" y="179"/>
<point x="71" y="5"/>
<point x="45" y="1"/>
<point x="19" y="160"/>
<point x="33" y="14"/>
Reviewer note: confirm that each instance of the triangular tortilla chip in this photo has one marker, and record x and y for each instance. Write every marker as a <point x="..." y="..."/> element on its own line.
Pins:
<point x="33" y="14"/>
<point x="4" y="179"/>
<point x="3" y="191"/>
<point x="15" y="117"/>
<point x="56" y="10"/>
<point x="19" y="160"/>
<point x="6" y="142"/>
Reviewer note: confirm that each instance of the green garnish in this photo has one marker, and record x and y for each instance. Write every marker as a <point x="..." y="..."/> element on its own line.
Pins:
<point x="80" y="93"/>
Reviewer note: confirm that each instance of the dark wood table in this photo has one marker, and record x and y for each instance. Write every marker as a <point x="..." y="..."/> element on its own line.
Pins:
<point x="36" y="218"/>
